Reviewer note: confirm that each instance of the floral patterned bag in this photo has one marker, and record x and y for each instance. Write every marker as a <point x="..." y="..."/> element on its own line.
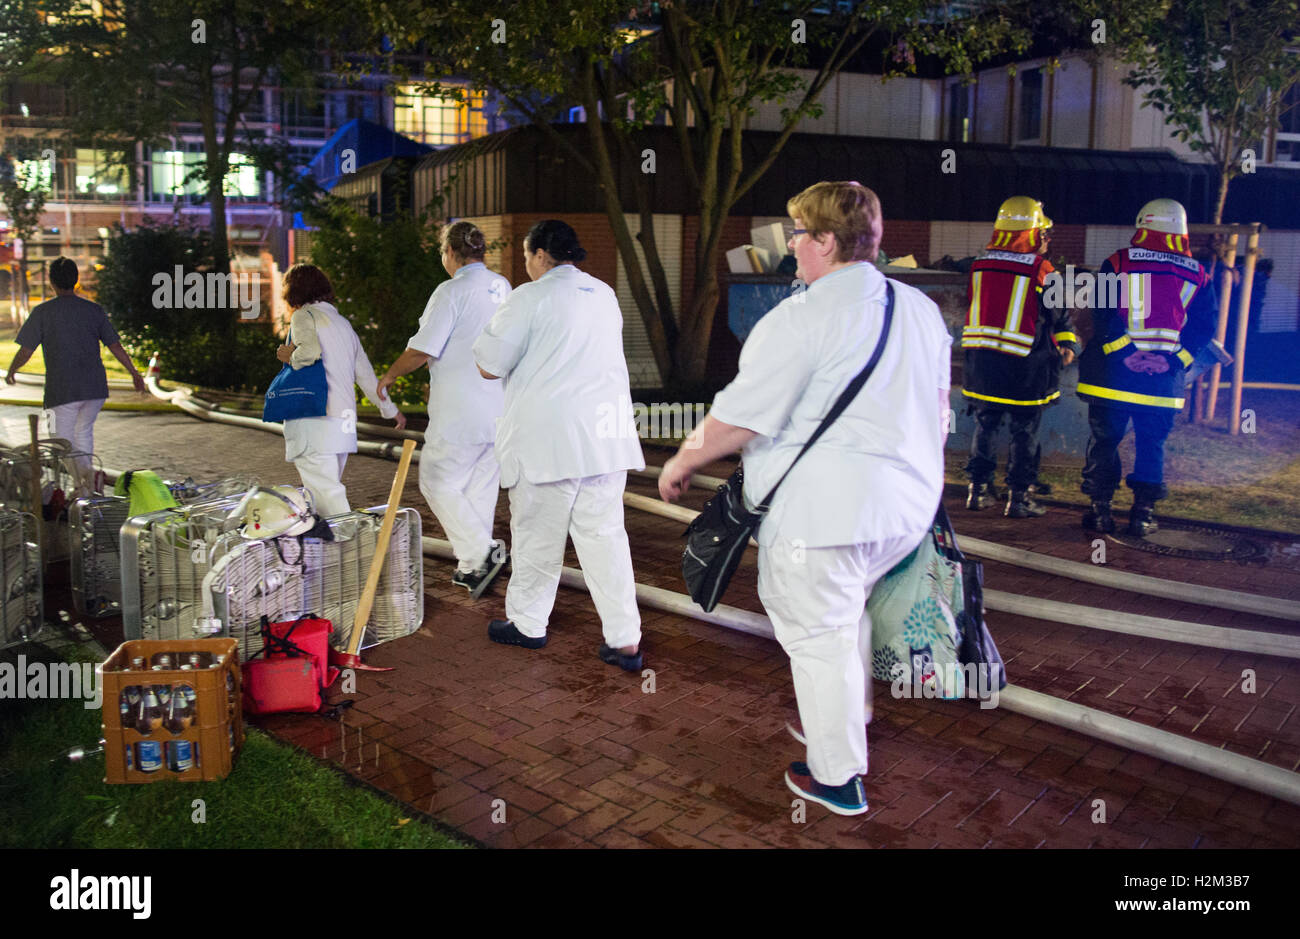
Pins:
<point x="914" y="613"/>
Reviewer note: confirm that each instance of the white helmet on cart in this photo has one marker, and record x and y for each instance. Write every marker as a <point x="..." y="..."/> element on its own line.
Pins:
<point x="271" y="512"/>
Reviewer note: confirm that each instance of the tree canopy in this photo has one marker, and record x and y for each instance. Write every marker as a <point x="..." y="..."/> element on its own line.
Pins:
<point x="702" y="67"/>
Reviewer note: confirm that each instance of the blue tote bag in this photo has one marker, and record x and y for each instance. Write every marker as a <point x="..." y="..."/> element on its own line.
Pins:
<point x="297" y="393"/>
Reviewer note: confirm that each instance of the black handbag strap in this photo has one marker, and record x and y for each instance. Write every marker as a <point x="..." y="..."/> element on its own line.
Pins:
<point x="846" y="397"/>
<point x="280" y="644"/>
<point x="944" y="524"/>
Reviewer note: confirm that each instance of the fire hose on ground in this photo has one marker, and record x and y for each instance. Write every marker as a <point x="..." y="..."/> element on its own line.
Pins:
<point x="1274" y="607"/>
<point x="1174" y="748"/>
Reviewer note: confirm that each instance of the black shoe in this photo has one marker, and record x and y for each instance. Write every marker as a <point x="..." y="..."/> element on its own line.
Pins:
<point x="1142" y="519"/>
<point x="980" y="496"/>
<point x="1021" y="505"/>
<point x="1099" y="519"/>
<point x="506" y="633"/>
<point x="629" y="663"/>
<point x="477" y="581"/>
<point x="1040" y="489"/>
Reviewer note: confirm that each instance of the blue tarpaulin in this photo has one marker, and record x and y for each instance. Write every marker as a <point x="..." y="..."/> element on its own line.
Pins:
<point x="367" y="141"/>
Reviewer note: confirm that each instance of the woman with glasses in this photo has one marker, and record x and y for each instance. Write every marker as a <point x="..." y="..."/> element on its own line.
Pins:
<point x="866" y="492"/>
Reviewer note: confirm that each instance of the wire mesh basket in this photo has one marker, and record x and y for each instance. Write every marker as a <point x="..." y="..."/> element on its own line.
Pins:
<point x="165" y="556"/>
<point x="285" y="578"/>
<point x="22" y="608"/>
<point x="65" y="475"/>
<point x="96" y="524"/>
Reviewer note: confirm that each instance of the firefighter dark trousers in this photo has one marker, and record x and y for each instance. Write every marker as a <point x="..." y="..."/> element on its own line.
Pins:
<point x="1101" y="468"/>
<point x="1022" y="462"/>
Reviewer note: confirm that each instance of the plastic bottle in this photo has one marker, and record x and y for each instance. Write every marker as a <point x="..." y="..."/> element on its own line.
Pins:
<point x="150" y="715"/>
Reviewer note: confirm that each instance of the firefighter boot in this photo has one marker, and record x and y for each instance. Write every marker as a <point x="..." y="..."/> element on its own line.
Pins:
<point x="1142" y="518"/>
<point x="1020" y="504"/>
<point x="1098" y="518"/>
<point x="979" y="496"/>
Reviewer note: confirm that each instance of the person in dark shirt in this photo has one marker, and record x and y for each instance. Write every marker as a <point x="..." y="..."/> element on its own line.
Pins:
<point x="69" y="330"/>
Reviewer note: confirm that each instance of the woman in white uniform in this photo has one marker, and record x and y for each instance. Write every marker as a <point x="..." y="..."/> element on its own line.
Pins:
<point x="558" y="343"/>
<point x="458" y="469"/>
<point x="319" y="446"/>
<point x="866" y="492"/>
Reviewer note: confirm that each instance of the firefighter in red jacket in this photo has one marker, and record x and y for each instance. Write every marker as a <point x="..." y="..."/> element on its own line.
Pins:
<point x="1015" y="347"/>
<point x="1146" y="334"/>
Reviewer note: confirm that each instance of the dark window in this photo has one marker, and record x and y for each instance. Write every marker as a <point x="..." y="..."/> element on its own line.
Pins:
<point x="1289" y="112"/>
<point x="959" y="112"/>
<point x="1031" y="104"/>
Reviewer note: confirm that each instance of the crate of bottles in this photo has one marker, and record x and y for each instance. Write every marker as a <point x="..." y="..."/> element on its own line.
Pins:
<point x="172" y="710"/>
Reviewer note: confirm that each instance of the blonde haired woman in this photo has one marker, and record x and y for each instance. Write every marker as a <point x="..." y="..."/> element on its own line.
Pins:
<point x="866" y="492"/>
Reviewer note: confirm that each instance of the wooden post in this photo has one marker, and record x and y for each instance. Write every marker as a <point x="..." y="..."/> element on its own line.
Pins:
<point x="35" y="484"/>
<point x="1228" y="261"/>
<point x="1243" y="320"/>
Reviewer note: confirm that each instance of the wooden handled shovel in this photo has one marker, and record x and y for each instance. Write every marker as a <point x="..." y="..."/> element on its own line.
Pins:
<point x="351" y="658"/>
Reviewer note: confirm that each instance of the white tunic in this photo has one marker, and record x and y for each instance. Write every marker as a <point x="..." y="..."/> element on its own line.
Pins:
<point x="877" y="473"/>
<point x="558" y="341"/>
<point x="463" y="405"/>
<point x="319" y="330"/>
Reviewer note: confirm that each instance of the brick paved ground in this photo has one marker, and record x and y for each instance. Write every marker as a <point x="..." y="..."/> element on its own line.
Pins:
<point x="581" y="756"/>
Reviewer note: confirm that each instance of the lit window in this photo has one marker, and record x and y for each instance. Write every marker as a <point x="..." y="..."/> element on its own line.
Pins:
<point x="95" y="176"/>
<point x="437" y="121"/>
<point x="34" y="174"/>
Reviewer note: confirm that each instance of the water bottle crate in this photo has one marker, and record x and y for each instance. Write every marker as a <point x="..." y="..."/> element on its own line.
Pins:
<point x="202" y="748"/>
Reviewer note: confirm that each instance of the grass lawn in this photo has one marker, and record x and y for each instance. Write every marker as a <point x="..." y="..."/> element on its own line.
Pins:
<point x="276" y="797"/>
<point x="1251" y="479"/>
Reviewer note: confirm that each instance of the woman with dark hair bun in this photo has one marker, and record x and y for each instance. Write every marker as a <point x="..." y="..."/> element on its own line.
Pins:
<point x="319" y="446"/>
<point x="565" y="443"/>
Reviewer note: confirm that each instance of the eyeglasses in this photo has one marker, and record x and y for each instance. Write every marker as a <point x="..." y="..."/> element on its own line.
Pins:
<point x="792" y="232"/>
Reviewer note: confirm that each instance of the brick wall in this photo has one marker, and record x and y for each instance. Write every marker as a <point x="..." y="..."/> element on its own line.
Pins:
<point x="1068" y="242"/>
<point x="906" y="237"/>
<point x="594" y="234"/>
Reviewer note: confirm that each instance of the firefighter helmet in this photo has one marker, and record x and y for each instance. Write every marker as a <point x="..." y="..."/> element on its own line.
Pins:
<point x="1021" y="213"/>
<point x="269" y="513"/>
<point x="1163" y="215"/>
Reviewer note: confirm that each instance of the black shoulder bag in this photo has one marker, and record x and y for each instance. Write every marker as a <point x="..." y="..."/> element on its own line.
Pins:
<point x="975" y="645"/>
<point x="716" y="539"/>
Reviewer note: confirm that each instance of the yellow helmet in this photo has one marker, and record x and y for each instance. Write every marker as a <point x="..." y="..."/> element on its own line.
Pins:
<point x="1164" y="215"/>
<point x="1021" y="213"/>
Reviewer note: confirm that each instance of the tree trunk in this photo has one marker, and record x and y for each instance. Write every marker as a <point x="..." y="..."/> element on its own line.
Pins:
<point x="215" y="174"/>
<point x="1224" y="180"/>
<point x="608" y="182"/>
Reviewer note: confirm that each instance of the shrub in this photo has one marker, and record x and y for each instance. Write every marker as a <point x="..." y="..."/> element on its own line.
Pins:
<point x="382" y="272"/>
<point x="208" y="347"/>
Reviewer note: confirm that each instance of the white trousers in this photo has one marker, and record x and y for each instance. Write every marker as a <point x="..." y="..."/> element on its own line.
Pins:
<point x="321" y="474"/>
<point x="816" y="599"/>
<point x="461" y="484"/>
<point x="590" y="510"/>
<point x="75" y="423"/>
